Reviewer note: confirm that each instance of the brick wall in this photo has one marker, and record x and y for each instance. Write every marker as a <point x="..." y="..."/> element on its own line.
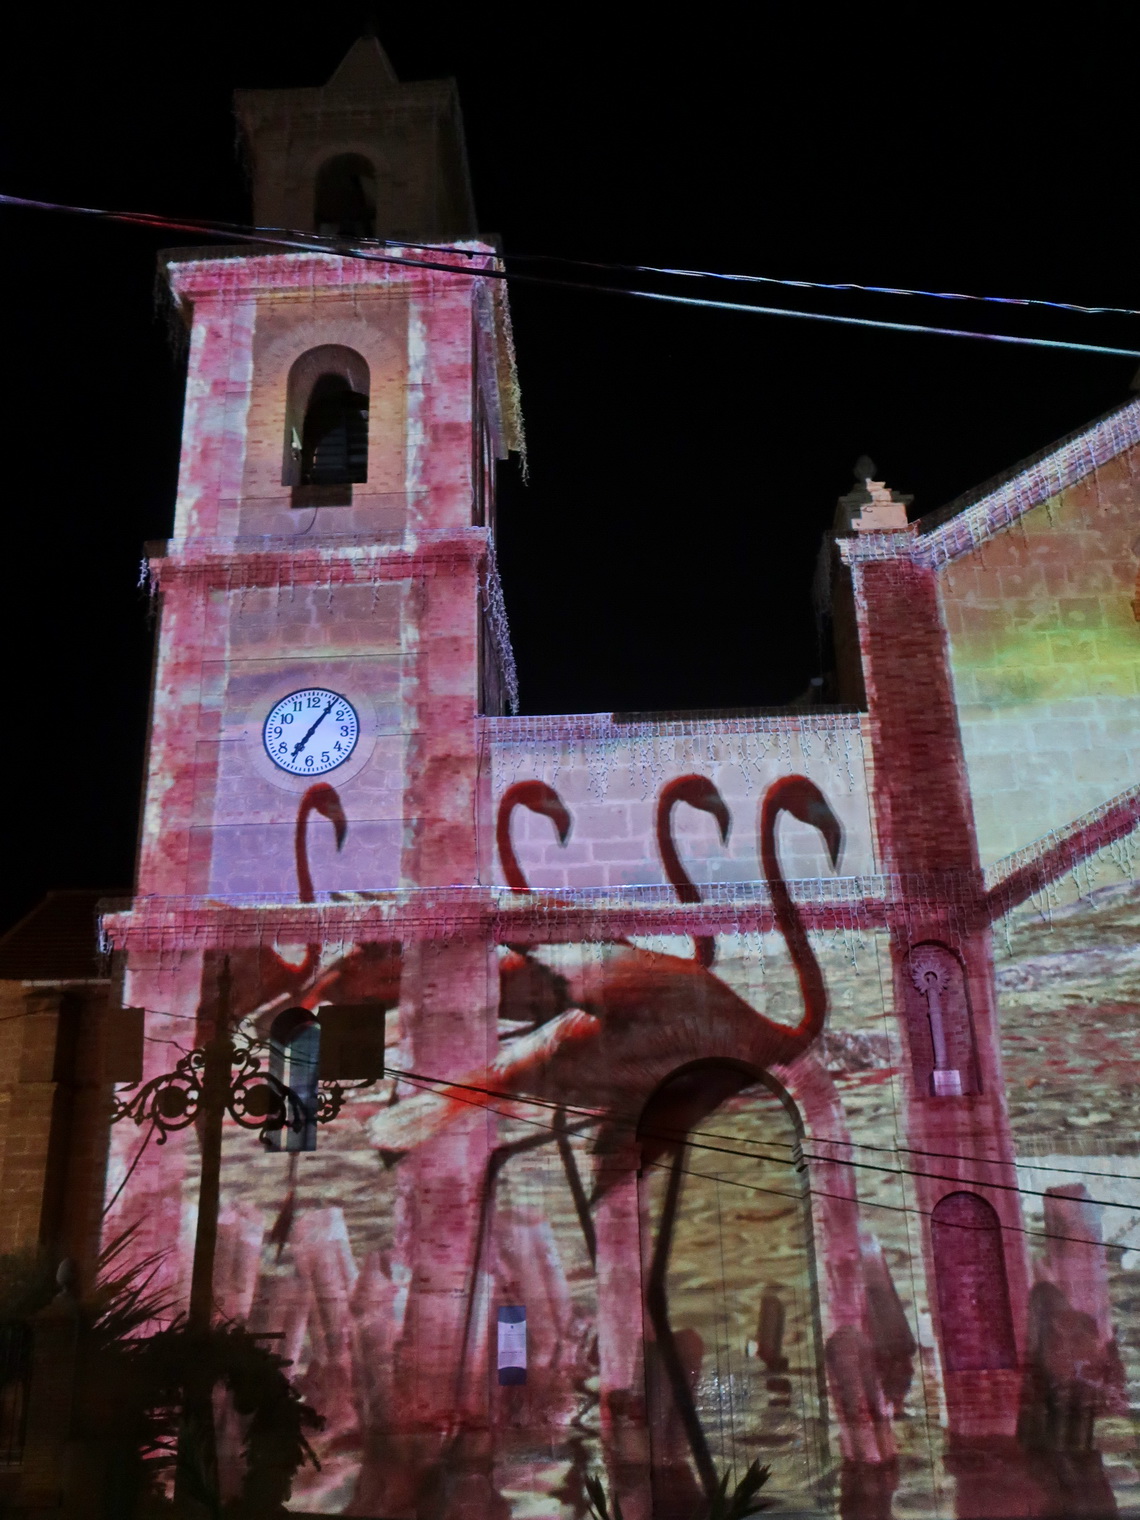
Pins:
<point x="610" y="786"/>
<point x="53" y="1120"/>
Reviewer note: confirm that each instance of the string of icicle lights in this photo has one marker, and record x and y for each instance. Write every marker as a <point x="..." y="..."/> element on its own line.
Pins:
<point x="371" y="252"/>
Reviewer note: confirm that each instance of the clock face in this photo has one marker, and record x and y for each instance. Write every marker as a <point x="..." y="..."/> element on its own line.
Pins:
<point x="311" y="732"/>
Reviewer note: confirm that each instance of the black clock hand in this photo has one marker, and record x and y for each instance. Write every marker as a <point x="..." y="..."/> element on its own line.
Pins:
<point x="299" y="746"/>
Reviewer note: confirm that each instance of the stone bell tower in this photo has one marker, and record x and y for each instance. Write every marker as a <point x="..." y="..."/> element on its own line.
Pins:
<point x="329" y="612"/>
<point x="361" y="156"/>
<point x="334" y="522"/>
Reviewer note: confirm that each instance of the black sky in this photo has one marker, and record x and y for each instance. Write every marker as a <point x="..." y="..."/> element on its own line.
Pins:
<point x="683" y="463"/>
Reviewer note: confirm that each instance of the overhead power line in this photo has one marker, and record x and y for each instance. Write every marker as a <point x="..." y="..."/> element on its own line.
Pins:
<point x="426" y="1083"/>
<point x="837" y="285"/>
<point x="297" y="242"/>
<point x="429" y="1084"/>
<point x="421" y="1082"/>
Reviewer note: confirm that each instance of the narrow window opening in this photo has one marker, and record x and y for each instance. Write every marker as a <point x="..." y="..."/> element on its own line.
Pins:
<point x="346" y="197"/>
<point x="294" y="1059"/>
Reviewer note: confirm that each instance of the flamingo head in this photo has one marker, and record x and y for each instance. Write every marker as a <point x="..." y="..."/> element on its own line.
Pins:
<point x="539" y="798"/>
<point x="804" y="800"/>
<point x="699" y="792"/>
<point x="324" y="799"/>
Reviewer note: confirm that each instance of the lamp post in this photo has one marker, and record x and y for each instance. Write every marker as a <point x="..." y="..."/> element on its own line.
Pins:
<point x="222" y="1076"/>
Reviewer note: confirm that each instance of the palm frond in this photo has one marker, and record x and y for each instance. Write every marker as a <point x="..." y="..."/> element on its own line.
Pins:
<point x="599" y="1503"/>
<point x="743" y="1500"/>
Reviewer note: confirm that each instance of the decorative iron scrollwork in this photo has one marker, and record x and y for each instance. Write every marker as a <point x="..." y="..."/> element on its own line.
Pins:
<point x="171" y="1101"/>
<point x="255" y="1098"/>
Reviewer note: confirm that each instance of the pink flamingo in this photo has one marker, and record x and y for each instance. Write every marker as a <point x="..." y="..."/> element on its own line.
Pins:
<point x="539" y="798"/>
<point x="634" y="1017"/>
<point x="370" y="973"/>
<point x="529" y="992"/>
<point x="320" y="798"/>
<point x="698" y="792"/>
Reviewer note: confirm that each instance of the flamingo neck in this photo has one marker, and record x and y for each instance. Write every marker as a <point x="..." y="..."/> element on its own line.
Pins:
<point x="511" y="868"/>
<point x="704" y="946"/>
<point x="305" y="891"/>
<point x="675" y="873"/>
<point x="791" y="926"/>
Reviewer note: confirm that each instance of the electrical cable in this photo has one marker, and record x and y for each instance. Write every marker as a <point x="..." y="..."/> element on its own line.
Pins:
<point x="146" y="1139"/>
<point x="839" y="285"/>
<point x="418" y="1079"/>
<point x="428" y="1083"/>
<point x="808" y="1190"/>
<point x="295" y="242"/>
<point x="320" y="243"/>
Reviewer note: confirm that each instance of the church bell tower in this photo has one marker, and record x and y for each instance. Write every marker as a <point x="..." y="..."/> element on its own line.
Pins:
<point x="331" y="630"/>
<point x="333" y="534"/>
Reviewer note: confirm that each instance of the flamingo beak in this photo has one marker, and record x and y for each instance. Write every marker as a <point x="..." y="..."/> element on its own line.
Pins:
<point x="719" y="809"/>
<point x="832" y="830"/>
<point x="701" y="793"/>
<point x="330" y="805"/>
<point x="551" y="806"/>
<point x="561" y="821"/>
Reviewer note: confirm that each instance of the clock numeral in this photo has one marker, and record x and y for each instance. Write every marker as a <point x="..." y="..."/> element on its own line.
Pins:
<point x="338" y="745"/>
<point x="286" y="717"/>
<point x="324" y="757"/>
<point x="313" y="702"/>
<point x="282" y="749"/>
<point x="344" y="730"/>
<point x="340" y="716"/>
<point x="308" y="759"/>
<point x="277" y="732"/>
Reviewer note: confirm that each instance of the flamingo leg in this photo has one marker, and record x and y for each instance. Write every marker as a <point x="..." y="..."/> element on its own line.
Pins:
<point x="577" y="1191"/>
<point x="657" y="1303"/>
<point x="283" y="1225"/>
<point x="495" y="1163"/>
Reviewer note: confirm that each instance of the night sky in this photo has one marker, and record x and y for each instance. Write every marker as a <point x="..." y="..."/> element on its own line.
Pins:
<point x="683" y="463"/>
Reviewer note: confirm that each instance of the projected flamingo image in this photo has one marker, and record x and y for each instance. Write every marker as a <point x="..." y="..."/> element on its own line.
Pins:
<point x="621" y="1109"/>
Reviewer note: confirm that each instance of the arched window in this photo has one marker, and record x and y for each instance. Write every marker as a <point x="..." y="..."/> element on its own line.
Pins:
<point x="326" y="425"/>
<point x="973" y="1294"/>
<point x="294" y="1058"/>
<point x="346" y="197"/>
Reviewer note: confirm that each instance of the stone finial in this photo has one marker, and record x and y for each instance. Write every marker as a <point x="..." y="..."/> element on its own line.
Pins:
<point x="882" y="510"/>
<point x="884" y="513"/>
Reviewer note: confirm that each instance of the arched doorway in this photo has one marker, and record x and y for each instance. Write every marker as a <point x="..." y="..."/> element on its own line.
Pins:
<point x="731" y="1321"/>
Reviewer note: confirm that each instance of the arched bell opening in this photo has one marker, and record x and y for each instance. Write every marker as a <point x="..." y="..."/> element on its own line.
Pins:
<point x="345" y="197"/>
<point x="731" y="1318"/>
<point x="326" y="426"/>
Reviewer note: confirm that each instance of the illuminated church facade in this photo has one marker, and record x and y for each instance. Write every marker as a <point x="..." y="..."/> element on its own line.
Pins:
<point x="659" y="1095"/>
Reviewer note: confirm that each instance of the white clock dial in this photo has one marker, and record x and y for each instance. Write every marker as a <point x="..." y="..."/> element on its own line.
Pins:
<point x="310" y="732"/>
